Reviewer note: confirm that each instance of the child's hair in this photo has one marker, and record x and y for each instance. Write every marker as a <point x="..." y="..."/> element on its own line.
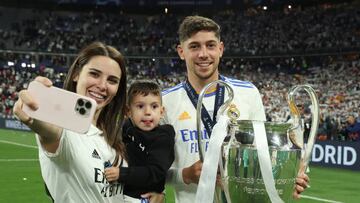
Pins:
<point x="143" y="87"/>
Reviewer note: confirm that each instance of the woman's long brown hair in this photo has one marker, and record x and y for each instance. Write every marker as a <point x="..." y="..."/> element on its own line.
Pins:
<point x="112" y="115"/>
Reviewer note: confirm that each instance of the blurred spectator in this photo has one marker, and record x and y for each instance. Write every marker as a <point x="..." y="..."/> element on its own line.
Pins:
<point x="353" y="129"/>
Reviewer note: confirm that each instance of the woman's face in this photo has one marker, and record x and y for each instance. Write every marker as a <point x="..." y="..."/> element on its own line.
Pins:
<point x="99" y="79"/>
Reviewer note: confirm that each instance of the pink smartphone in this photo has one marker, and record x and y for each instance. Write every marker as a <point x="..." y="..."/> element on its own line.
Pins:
<point x="62" y="108"/>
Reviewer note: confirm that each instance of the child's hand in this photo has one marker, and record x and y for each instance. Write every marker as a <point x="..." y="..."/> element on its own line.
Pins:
<point x="154" y="197"/>
<point x="112" y="173"/>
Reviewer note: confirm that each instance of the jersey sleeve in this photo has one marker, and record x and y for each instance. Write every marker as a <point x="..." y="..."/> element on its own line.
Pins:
<point x="63" y="151"/>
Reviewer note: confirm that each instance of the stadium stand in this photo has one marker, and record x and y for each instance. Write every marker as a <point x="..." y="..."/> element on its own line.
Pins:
<point x="318" y="45"/>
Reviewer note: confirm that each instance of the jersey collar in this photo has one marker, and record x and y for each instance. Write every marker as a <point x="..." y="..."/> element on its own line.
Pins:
<point x="93" y="130"/>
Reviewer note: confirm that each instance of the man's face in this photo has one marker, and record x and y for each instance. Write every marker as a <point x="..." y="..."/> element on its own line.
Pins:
<point x="202" y="53"/>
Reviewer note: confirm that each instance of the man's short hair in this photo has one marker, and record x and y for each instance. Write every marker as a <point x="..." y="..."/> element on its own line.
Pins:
<point x="193" y="24"/>
<point x="143" y="87"/>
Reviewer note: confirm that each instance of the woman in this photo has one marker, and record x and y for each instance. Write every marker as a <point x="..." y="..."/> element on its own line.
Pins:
<point x="72" y="164"/>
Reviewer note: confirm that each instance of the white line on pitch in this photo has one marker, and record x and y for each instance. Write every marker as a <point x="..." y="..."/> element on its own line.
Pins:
<point x="17" y="160"/>
<point x="319" y="199"/>
<point x="18" y="144"/>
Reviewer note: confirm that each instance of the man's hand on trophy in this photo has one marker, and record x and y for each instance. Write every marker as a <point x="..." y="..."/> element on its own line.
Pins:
<point x="192" y="173"/>
<point x="301" y="184"/>
<point x="218" y="180"/>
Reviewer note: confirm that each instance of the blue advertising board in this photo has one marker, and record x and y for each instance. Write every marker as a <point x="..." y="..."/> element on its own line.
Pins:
<point x="14" y="124"/>
<point x="336" y="154"/>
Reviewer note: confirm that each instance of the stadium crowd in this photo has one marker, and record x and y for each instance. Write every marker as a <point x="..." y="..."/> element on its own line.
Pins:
<point x="252" y="32"/>
<point x="149" y="44"/>
<point x="336" y="80"/>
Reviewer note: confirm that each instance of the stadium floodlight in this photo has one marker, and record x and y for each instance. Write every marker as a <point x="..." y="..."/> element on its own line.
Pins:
<point x="166" y="10"/>
<point x="33" y="65"/>
<point x="265" y="7"/>
<point x="10" y="63"/>
<point x="289" y="6"/>
<point x="23" y="65"/>
<point x="28" y="65"/>
<point x="153" y="59"/>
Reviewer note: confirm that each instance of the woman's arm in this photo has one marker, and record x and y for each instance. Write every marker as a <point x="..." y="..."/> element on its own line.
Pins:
<point x="49" y="134"/>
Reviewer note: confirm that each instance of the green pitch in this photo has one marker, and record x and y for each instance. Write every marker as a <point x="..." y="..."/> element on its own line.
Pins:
<point x="21" y="180"/>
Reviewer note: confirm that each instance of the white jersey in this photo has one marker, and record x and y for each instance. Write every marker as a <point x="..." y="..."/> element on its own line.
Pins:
<point x="75" y="172"/>
<point x="181" y="113"/>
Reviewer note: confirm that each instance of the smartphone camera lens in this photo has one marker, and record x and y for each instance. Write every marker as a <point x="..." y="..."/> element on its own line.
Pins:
<point x="88" y="105"/>
<point x="80" y="102"/>
<point x="82" y="111"/>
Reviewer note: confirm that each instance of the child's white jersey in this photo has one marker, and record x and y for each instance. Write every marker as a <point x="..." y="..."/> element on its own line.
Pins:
<point x="181" y="113"/>
<point x="75" y="172"/>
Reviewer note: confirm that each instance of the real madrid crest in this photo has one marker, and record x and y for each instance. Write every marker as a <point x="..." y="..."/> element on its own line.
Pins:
<point x="233" y="113"/>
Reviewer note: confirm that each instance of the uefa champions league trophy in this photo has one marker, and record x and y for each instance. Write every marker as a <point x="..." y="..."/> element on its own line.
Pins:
<point x="246" y="176"/>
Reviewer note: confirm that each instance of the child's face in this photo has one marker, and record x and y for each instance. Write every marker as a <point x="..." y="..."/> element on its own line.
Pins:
<point x="146" y="111"/>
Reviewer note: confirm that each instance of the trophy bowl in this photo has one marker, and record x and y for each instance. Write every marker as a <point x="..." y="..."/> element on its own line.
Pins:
<point x="255" y="172"/>
<point x="242" y="173"/>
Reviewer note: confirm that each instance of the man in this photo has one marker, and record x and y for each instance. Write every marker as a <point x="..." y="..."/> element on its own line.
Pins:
<point x="201" y="49"/>
<point x="352" y="129"/>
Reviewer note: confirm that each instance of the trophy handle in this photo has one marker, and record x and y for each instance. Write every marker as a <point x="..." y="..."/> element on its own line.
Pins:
<point x="221" y="110"/>
<point x="295" y="114"/>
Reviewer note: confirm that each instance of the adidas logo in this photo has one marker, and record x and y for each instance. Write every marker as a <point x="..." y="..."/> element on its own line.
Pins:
<point x="185" y="115"/>
<point x="95" y="154"/>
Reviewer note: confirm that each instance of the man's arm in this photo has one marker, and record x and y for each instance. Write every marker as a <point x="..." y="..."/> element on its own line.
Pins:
<point x="192" y="173"/>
